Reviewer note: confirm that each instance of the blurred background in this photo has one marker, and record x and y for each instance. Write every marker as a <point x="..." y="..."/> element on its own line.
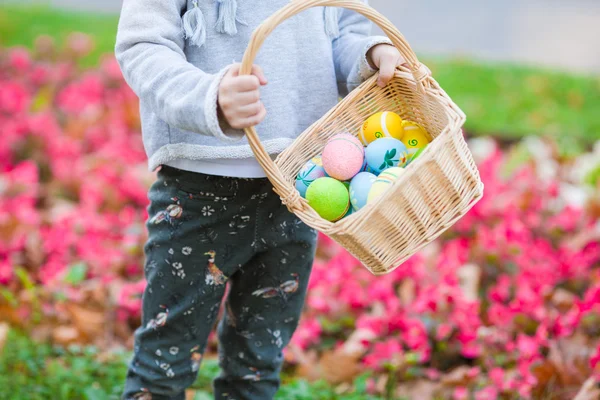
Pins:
<point x="506" y="305"/>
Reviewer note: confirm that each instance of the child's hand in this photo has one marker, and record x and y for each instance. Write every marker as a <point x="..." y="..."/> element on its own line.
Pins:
<point x="239" y="97"/>
<point x="386" y="58"/>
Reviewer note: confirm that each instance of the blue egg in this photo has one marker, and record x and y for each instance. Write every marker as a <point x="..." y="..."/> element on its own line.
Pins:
<point x="312" y="171"/>
<point x="366" y="168"/>
<point x="360" y="188"/>
<point x="386" y="153"/>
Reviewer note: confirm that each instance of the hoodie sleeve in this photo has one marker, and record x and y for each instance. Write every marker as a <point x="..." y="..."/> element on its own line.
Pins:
<point x="350" y="50"/>
<point x="149" y="50"/>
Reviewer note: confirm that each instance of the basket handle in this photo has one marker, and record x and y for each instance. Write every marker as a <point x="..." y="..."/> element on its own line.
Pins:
<point x="290" y="195"/>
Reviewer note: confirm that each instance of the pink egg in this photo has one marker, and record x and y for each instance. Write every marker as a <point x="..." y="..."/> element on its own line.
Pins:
<point x="343" y="157"/>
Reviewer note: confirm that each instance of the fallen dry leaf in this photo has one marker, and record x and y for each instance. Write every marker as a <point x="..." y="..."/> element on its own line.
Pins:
<point x="570" y="357"/>
<point x="407" y="292"/>
<point x="589" y="391"/>
<point x="328" y="366"/>
<point x="469" y="276"/>
<point x="4" y="328"/>
<point x="354" y="344"/>
<point x="457" y="377"/>
<point x="421" y="389"/>
<point x="89" y="322"/>
<point x="563" y="299"/>
<point x="65" y="335"/>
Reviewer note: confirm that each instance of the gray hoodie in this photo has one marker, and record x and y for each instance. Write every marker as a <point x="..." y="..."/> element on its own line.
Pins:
<point x="174" y="53"/>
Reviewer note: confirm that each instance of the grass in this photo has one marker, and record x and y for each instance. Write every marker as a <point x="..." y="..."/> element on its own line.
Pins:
<point x="21" y="25"/>
<point x="500" y="99"/>
<point x="39" y="371"/>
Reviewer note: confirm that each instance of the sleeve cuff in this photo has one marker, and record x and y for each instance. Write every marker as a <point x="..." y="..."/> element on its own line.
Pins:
<point x="211" y="111"/>
<point x="365" y="71"/>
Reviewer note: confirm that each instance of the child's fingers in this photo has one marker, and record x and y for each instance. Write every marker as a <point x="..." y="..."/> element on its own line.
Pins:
<point x="245" y="83"/>
<point x="250" y="110"/>
<point x="258" y="72"/>
<point x="247" y="98"/>
<point x="256" y="119"/>
<point x="246" y="122"/>
<point x="387" y="69"/>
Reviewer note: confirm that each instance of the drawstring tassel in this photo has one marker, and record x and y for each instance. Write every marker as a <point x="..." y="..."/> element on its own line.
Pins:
<point x="227" y="20"/>
<point x="332" y="26"/>
<point x="194" y="25"/>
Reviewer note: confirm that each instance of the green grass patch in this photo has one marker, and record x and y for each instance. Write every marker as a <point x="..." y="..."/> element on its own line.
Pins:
<point x="21" y="25"/>
<point x="514" y="101"/>
<point x="499" y="99"/>
<point x="40" y="371"/>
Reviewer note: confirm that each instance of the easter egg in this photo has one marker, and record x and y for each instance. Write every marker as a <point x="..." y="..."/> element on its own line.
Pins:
<point x="383" y="124"/>
<point x="386" y="153"/>
<point x="366" y="168"/>
<point x="383" y="183"/>
<point x="312" y="171"/>
<point x="415" y="137"/>
<point x="360" y="187"/>
<point x="329" y="198"/>
<point x="343" y="157"/>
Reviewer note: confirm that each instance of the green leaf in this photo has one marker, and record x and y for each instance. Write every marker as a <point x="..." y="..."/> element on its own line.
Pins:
<point x="76" y="273"/>
<point x="24" y="278"/>
<point x="203" y="396"/>
<point x="9" y="297"/>
<point x="94" y="393"/>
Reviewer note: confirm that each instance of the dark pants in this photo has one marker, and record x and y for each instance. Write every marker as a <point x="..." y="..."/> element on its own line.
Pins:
<point x="207" y="232"/>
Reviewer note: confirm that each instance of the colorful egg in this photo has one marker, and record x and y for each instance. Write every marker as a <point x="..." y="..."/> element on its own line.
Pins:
<point x="312" y="171"/>
<point x="415" y="137"/>
<point x="329" y="198"/>
<point x="343" y="157"/>
<point x="386" y="153"/>
<point x="366" y="168"/>
<point x="384" y="182"/>
<point x="383" y="124"/>
<point x="360" y="187"/>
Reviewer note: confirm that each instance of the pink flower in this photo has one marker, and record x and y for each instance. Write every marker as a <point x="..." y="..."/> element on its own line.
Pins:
<point x="130" y="300"/>
<point x="527" y="347"/>
<point x="489" y="393"/>
<point x="80" y="43"/>
<point x="19" y="59"/>
<point x="460" y="393"/>
<point x="497" y="377"/>
<point x="595" y="364"/>
<point x="14" y="98"/>
<point x="444" y="330"/>
<point x="383" y="352"/>
<point x="307" y="333"/>
<point x="6" y="272"/>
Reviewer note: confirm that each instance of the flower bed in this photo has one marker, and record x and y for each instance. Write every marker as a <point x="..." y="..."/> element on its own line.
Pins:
<point x="507" y="303"/>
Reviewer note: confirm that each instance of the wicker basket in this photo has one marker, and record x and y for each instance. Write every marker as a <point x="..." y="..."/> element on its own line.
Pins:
<point x="436" y="190"/>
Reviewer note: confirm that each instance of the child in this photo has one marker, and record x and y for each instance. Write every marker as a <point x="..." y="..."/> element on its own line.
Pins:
<point x="213" y="217"/>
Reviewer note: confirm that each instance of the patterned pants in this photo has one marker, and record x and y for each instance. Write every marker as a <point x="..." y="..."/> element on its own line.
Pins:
<point x="206" y="233"/>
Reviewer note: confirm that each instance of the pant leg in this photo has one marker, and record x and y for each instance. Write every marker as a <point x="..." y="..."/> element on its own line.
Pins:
<point x="189" y="257"/>
<point x="264" y="305"/>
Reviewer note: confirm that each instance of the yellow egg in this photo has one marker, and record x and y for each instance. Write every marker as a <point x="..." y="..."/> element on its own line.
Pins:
<point x="383" y="183"/>
<point x="382" y="124"/>
<point x="415" y="137"/>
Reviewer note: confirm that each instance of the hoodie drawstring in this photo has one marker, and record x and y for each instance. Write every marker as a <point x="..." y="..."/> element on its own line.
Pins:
<point x="194" y="25"/>
<point x="227" y="17"/>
